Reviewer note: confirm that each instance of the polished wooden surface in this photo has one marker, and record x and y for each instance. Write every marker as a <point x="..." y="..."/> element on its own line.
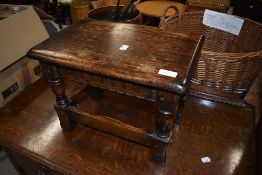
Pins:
<point x="93" y="46"/>
<point x="30" y="126"/>
<point x="255" y="98"/>
<point x="259" y="146"/>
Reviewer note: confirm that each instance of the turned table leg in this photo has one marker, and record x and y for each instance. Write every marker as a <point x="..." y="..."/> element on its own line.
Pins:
<point x="58" y="87"/>
<point x="164" y="124"/>
<point x="165" y="118"/>
<point x="179" y="110"/>
<point x="159" y="152"/>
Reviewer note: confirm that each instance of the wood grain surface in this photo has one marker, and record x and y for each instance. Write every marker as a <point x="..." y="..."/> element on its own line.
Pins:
<point x="30" y="127"/>
<point x="93" y="46"/>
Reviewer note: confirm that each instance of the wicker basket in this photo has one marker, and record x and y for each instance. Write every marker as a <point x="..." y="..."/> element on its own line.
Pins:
<point x="228" y="63"/>
<point x="220" y="5"/>
<point x="79" y="10"/>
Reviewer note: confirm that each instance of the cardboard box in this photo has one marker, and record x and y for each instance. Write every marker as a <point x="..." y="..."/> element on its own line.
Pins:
<point x="16" y="77"/>
<point x="11" y="82"/>
<point x="19" y="31"/>
<point x="48" y="21"/>
<point x="34" y="71"/>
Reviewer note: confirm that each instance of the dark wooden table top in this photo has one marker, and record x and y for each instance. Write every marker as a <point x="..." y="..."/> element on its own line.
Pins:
<point x="93" y="46"/>
<point x="30" y="126"/>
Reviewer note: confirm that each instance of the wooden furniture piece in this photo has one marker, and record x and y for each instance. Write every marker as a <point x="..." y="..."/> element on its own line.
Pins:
<point x="259" y="146"/>
<point x="228" y="64"/>
<point x="125" y="95"/>
<point x="31" y="134"/>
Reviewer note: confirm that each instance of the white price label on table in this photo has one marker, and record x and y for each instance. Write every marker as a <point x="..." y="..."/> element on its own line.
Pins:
<point x="205" y="159"/>
<point x="223" y="21"/>
<point x="123" y="47"/>
<point x="167" y="73"/>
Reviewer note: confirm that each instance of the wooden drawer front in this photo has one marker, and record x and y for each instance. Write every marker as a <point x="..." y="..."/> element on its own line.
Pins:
<point x="27" y="166"/>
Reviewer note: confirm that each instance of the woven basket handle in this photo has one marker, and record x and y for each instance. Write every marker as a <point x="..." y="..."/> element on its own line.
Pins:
<point x="164" y="19"/>
<point x="166" y="10"/>
<point x="137" y="2"/>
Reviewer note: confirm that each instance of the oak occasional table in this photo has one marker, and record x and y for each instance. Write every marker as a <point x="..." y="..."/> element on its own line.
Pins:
<point x="124" y="92"/>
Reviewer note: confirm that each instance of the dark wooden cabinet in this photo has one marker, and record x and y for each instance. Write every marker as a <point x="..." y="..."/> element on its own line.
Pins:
<point x="28" y="166"/>
<point x="31" y="133"/>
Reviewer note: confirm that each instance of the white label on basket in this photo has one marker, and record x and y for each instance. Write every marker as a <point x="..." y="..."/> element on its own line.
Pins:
<point x="223" y="21"/>
<point x="167" y="73"/>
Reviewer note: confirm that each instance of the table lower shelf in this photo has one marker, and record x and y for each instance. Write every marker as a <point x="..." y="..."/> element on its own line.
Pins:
<point x="118" y="114"/>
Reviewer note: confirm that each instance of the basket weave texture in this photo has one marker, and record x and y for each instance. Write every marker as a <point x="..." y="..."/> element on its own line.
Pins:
<point x="212" y="4"/>
<point x="228" y="64"/>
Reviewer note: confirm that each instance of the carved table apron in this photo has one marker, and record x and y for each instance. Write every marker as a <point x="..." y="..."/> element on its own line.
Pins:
<point x="124" y="94"/>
